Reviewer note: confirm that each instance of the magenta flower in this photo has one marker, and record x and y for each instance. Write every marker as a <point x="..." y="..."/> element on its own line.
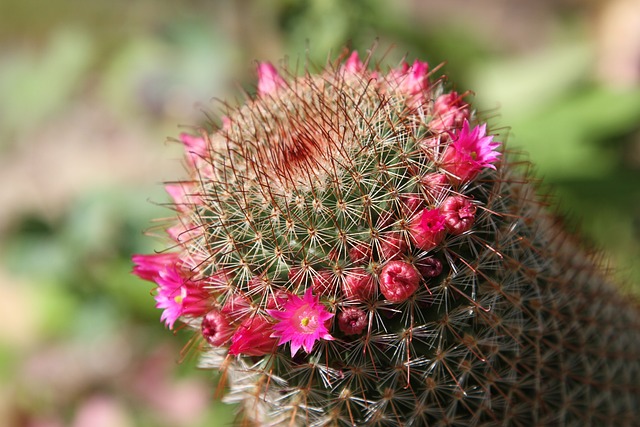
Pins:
<point x="470" y="152"/>
<point x="268" y="79"/>
<point x="253" y="337"/>
<point x="177" y="295"/>
<point x="195" y="147"/>
<point x="301" y="322"/>
<point x="427" y="229"/>
<point x="410" y="80"/>
<point x="449" y="111"/>
<point x="353" y="65"/>
<point x="149" y="266"/>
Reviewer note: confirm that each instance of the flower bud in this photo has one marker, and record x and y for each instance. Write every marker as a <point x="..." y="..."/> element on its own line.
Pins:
<point x="352" y="321"/>
<point x="429" y="267"/>
<point x="216" y="328"/>
<point x="253" y="338"/>
<point x="398" y="281"/>
<point x="324" y="283"/>
<point x="392" y="245"/>
<point x="359" y="285"/>
<point x="360" y="253"/>
<point x="435" y="185"/>
<point x="427" y="229"/>
<point x="268" y="79"/>
<point x="459" y="214"/>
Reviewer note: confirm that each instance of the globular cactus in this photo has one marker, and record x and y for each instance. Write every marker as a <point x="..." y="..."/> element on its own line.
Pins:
<point x="355" y="248"/>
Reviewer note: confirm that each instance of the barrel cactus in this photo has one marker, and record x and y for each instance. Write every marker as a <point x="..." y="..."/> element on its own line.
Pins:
<point x="355" y="247"/>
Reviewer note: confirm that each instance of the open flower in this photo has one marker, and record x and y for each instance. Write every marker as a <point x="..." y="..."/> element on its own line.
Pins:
<point x="177" y="294"/>
<point x="301" y="322"/>
<point x="470" y="152"/>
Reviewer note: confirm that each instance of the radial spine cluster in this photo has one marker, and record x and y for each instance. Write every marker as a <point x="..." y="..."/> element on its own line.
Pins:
<point x="355" y="247"/>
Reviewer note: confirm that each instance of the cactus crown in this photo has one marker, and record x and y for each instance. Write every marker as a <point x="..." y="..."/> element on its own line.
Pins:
<point x="353" y="251"/>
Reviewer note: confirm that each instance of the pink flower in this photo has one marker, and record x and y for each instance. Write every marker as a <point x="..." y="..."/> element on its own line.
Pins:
<point x="301" y="322"/>
<point x="253" y="338"/>
<point x="352" y="321"/>
<point x="237" y="307"/>
<point x="459" y="214"/>
<point x="398" y="281"/>
<point x="148" y="267"/>
<point x="183" y="195"/>
<point x="216" y="328"/>
<point x="195" y="146"/>
<point x="358" y="285"/>
<point x="411" y="80"/>
<point x="449" y="111"/>
<point x="268" y="79"/>
<point x="469" y="153"/>
<point x="353" y="65"/>
<point x="178" y="296"/>
<point x="427" y="229"/>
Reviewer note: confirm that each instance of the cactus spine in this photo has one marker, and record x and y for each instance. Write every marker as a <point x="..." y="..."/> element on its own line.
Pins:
<point x="354" y="249"/>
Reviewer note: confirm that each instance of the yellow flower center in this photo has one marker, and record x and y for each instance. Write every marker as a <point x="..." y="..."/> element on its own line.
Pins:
<point x="304" y="321"/>
<point x="474" y="155"/>
<point x="178" y="299"/>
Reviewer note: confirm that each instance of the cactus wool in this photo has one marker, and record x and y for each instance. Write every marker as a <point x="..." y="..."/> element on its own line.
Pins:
<point x="355" y="248"/>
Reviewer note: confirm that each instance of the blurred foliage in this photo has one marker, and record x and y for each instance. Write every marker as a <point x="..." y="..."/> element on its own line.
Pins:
<point x="93" y="88"/>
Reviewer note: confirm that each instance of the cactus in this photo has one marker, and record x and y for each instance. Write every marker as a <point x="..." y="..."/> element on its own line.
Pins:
<point x="354" y="247"/>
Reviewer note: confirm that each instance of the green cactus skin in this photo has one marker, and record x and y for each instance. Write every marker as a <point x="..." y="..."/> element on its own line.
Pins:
<point x="521" y="328"/>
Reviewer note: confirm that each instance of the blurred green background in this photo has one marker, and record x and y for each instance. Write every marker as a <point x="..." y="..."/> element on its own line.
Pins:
<point x="90" y="91"/>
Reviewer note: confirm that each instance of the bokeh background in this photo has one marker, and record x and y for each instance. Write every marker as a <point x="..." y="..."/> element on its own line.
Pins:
<point x="90" y="91"/>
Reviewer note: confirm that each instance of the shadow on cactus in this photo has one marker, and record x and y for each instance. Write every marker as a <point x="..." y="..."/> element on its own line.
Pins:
<point x="354" y="247"/>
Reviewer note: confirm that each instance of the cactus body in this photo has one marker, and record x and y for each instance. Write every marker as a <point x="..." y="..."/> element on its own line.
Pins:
<point x="355" y="250"/>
